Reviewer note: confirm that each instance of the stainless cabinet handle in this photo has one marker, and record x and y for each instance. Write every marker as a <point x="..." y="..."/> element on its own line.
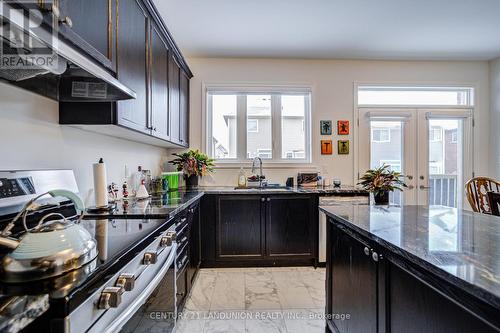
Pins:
<point x="375" y="256"/>
<point x="367" y="251"/>
<point x="268" y="199"/>
<point x="262" y="199"/>
<point x="422" y="187"/>
<point x="111" y="297"/>
<point x="411" y="187"/>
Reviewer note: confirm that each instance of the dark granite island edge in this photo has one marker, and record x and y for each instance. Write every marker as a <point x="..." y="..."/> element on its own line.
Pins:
<point x="480" y="302"/>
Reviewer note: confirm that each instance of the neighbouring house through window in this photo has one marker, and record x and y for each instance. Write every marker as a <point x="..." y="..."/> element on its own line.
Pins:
<point x="270" y="123"/>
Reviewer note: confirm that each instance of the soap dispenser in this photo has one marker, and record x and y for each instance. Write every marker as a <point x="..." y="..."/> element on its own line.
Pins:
<point x="242" y="178"/>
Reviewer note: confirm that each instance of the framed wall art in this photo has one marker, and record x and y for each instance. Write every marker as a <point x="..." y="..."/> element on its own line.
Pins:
<point x="325" y="127"/>
<point x="343" y="127"/>
<point x="326" y="147"/>
<point x="343" y="147"/>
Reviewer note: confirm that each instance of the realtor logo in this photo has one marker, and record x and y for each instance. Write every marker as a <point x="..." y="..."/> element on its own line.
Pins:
<point x="25" y="44"/>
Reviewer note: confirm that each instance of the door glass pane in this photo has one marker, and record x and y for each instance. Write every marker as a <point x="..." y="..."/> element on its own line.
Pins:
<point x="445" y="161"/>
<point x="224" y="126"/>
<point x="293" y="137"/>
<point x="386" y="147"/>
<point x="259" y="126"/>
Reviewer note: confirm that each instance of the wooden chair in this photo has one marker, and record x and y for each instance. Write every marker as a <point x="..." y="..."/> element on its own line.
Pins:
<point x="494" y="202"/>
<point x="477" y="193"/>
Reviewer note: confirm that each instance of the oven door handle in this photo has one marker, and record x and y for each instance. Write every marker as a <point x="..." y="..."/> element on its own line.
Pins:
<point x="139" y="301"/>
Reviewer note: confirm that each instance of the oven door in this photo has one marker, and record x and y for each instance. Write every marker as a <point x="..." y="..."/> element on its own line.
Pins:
<point x="159" y="312"/>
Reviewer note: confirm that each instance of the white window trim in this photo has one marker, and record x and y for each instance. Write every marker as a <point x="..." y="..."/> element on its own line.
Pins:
<point x="241" y="159"/>
<point x="355" y="111"/>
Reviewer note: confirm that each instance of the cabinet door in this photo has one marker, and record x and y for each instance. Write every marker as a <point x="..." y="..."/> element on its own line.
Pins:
<point x="290" y="226"/>
<point x="353" y="284"/>
<point x="92" y="27"/>
<point x="194" y="241"/>
<point x="184" y="109"/>
<point x="174" y="94"/>
<point x="132" y="64"/>
<point x="239" y="227"/>
<point x="159" y="85"/>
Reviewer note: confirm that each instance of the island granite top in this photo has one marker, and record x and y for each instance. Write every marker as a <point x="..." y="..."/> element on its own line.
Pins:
<point x="459" y="246"/>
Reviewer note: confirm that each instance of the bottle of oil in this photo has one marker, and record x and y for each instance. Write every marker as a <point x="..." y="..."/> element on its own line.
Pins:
<point x="242" y="178"/>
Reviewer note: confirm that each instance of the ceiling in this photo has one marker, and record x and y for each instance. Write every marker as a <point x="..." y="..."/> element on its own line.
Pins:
<point x="349" y="29"/>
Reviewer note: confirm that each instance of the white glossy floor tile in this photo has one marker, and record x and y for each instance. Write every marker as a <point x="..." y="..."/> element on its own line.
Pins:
<point x="256" y="300"/>
<point x="229" y="293"/>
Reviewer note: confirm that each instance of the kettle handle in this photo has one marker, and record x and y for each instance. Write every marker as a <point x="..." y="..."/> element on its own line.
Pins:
<point x="79" y="205"/>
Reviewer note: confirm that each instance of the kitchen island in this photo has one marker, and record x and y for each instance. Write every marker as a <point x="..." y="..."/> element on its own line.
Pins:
<point x="412" y="269"/>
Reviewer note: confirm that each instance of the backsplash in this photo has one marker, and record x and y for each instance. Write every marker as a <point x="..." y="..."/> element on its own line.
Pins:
<point x="32" y="139"/>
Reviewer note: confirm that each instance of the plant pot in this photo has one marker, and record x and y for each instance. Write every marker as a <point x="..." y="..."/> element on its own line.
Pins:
<point x="381" y="198"/>
<point x="191" y="182"/>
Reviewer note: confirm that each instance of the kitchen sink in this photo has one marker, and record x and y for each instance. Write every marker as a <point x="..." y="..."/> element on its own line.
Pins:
<point x="267" y="188"/>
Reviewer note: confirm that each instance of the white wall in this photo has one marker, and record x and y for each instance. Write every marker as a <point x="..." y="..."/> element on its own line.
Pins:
<point x="332" y="82"/>
<point x="31" y="138"/>
<point x="495" y="118"/>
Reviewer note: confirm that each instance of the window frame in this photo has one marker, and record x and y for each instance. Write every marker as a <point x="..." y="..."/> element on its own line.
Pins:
<point x="241" y="114"/>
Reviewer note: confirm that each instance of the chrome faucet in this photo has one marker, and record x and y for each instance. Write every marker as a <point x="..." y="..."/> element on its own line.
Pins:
<point x="258" y="159"/>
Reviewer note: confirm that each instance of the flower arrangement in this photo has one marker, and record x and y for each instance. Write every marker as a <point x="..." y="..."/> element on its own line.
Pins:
<point x="193" y="163"/>
<point x="381" y="181"/>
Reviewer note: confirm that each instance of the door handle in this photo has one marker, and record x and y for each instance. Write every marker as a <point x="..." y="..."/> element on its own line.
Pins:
<point x="422" y="187"/>
<point x="411" y="187"/>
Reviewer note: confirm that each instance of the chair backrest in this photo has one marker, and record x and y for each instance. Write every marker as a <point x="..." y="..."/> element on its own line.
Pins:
<point x="494" y="202"/>
<point x="477" y="193"/>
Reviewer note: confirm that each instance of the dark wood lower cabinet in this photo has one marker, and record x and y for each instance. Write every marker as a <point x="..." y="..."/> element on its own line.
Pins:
<point x="259" y="230"/>
<point x="240" y="227"/>
<point x="289" y="229"/>
<point x="353" y="284"/>
<point x="369" y="292"/>
<point x="416" y="307"/>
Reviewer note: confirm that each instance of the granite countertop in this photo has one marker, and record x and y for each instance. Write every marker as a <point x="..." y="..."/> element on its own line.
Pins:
<point x="343" y="190"/>
<point x="459" y="246"/>
<point x="163" y="206"/>
<point x="17" y="312"/>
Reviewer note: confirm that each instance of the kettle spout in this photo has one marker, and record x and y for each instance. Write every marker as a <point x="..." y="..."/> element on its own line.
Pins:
<point x="8" y="242"/>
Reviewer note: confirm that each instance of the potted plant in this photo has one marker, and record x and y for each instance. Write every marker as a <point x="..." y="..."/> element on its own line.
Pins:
<point x="193" y="164"/>
<point x="380" y="182"/>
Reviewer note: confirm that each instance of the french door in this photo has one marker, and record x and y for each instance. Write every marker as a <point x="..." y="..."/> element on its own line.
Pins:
<point x="432" y="148"/>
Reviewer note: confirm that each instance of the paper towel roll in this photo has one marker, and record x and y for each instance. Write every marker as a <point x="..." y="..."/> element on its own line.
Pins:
<point x="100" y="190"/>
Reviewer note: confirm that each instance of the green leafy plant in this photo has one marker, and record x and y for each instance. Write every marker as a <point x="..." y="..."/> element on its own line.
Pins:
<point x="382" y="179"/>
<point x="193" y="163"/>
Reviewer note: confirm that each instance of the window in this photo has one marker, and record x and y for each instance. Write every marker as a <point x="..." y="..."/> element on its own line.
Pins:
<point x="436" y="96"/>
<point x="454" y="136"/>
<point x="253" y="125"/>
<point x="271" y="123"/>
<point x="436" y="134"/>
<point x="381" y="135"/>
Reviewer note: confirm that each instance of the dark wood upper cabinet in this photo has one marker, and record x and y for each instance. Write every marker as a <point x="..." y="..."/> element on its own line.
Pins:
<point x="91" y="26"/>
<point x="159" y="85"/>
<point x="174" y="105"/>
<point x="184" y="109"/>
<point x="239" y="227"/>
<point x="138" y="45"/>
<point x="132" y="65"/>
<point x="290" y="226"/>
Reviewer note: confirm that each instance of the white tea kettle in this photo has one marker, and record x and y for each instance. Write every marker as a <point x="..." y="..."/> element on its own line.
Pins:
<point x="49" y="249"/>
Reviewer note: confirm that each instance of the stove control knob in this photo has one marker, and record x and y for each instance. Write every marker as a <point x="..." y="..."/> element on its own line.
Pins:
<point x="111" y="297"/>
<point x="126" y="281"/>
<point x="167" y="240"/>
<point x="149" y="258"/>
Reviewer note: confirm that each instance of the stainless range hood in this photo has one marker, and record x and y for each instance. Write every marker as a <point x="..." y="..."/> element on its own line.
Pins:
<point x="35" y="58"/>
